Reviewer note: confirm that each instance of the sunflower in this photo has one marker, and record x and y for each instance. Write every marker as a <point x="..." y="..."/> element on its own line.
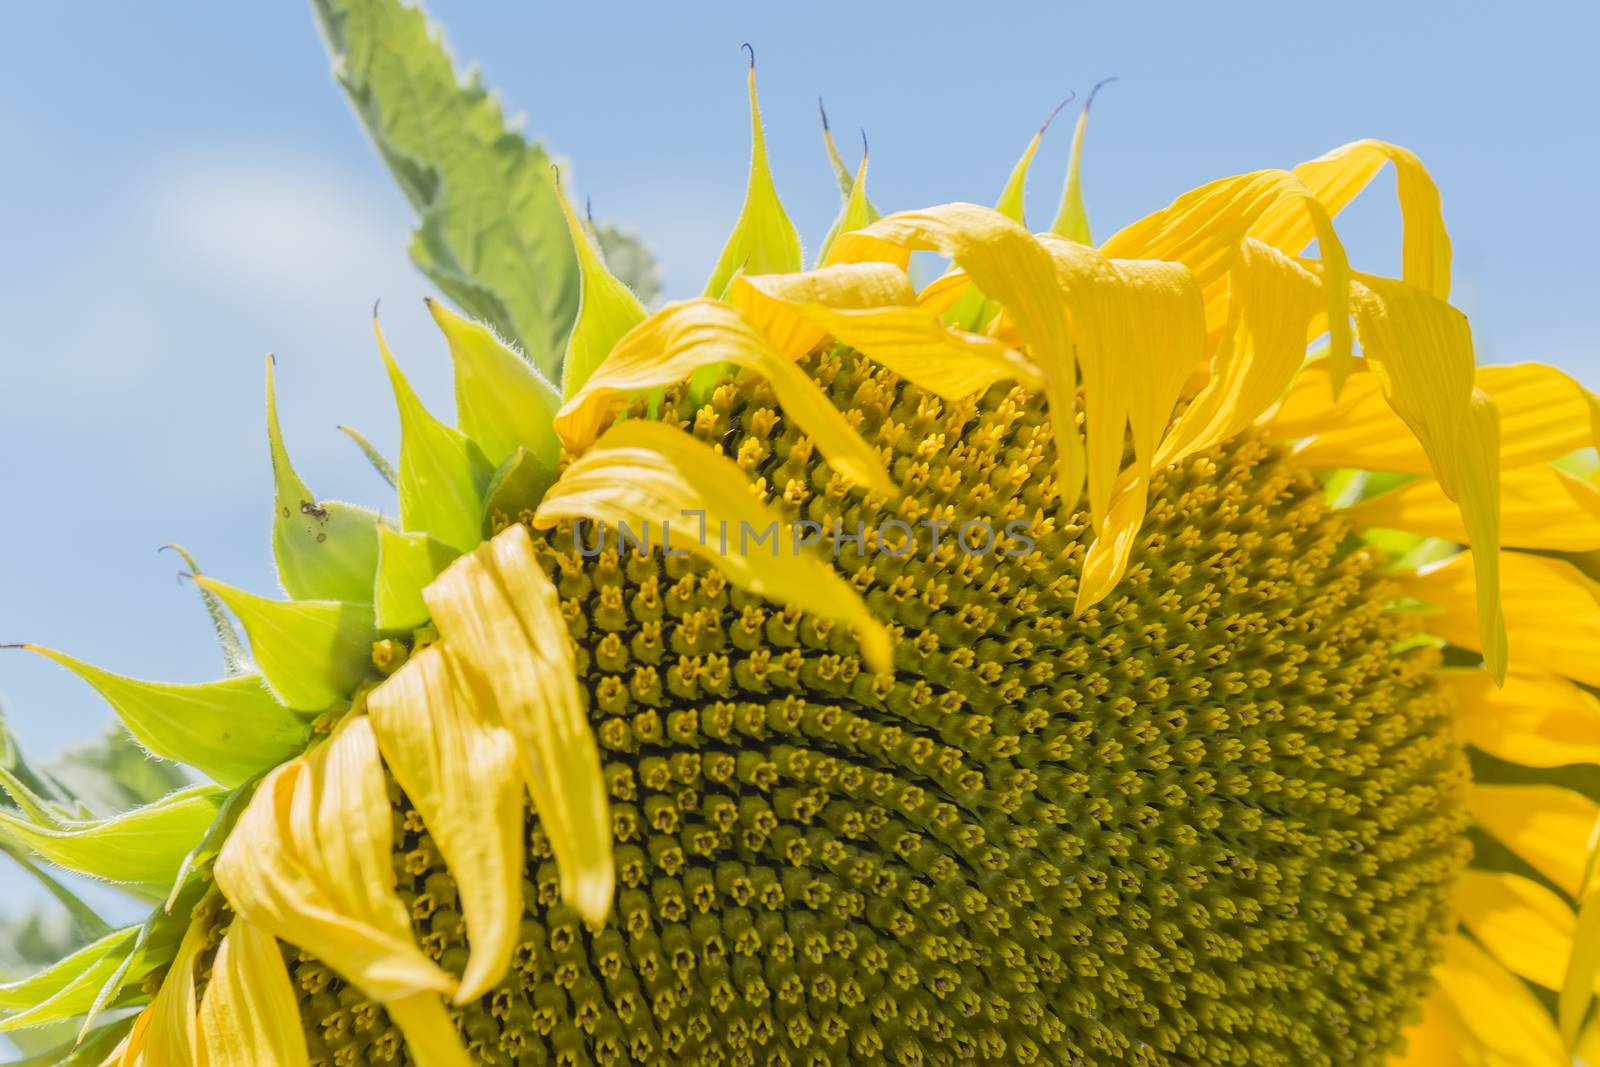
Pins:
<point x="1083" y="658"/>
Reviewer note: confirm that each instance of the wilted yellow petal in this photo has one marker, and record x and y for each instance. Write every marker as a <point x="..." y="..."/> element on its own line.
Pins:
<point x="510" y="654"/>
<point x="310" y="862"/>
<point x="1536" y="719"/>
<point x="1546" y="825"/>
<point x="1540" y="507"/>
<point x="871" y="308"/>
<point x="1012" y="268"/>
<point x="1108" y="556"/>
<point x="1270" y="305"/>
<point x="250" y="1015"/>
<point x="1527" y="927"/>
<point x="1552" y="610"/>
<point x="682" y="337"/>
<point x="1138" y="328"/>
<point x="1420" y="350"/>
<point x="1504" y="1024"/>
<point x="657" y="479"/>
<point x="1543" y="414"/>
<point x="1337" y="177"/>
<point x="460" y="770"/>
<point x="763" y="240"/>
<point x="1205" y="229"/>
<point x="607" y="309"/>
<point x="171" y="1035"/>
<point x="431" y="1035"/>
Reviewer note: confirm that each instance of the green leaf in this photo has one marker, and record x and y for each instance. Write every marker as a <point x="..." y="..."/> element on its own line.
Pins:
<point x="142" y="849"/>
<point x="492" y="236"/>
<point x="231" y="730"/>
<point x="324" y="550"/>
<point x="630" y="260"/>
<point x="442" y="472"/>
<point x="95" y="1048"/>
<point x="763" y="240"/>
<point x="502" y="403"/>
<point x="235" y="660"/>
<point x="607" y="310"/>
<point x="407" y="562"/>
<point x="66" y="988"/>
<point x="1072" y="218"/>
<point x="384" y="468"/>
<point x="311" y="652"/>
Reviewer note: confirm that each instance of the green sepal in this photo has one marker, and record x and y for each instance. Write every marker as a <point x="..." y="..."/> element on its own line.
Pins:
<point x="141" y="850"/>
<point x="407" y="562"/>
<point x="384" y="468"/>
<point x="311" y="652"/>
<point x="442" y="472"/>
<point x="517" y="486"/>
<point x="230" y="730"/>
<point x="502" y="402"/>
<point x="91" y="1051"/>
<point x="68" y="988"/>
<point x="857" y="211"/>
<point x="1072" y="218"/>
<point x="763" y="240"/>
<point x="235" y="660"/>
<point x="325" y="550"/>
<point x="607" y="309"/>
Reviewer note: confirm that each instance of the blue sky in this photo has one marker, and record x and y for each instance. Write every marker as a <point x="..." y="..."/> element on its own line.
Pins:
<point x="186" y="190"/>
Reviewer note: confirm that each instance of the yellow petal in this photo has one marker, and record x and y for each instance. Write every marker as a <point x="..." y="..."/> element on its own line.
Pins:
<point x="1546" y="825"/>
<point x="1536" y="719"/>
<point x="657" y="479"/>
<point x="871" y="308"/>
<point x="1339" y="176"/>
<point x="500" y="618"/>
<point x="763" y="240"/>
<point x="1543" y="414"/>
<point x="1527" y="927"/>
<point x="171" y="1035"/>
<point x="1583" y="967"/>
<point x="1138" y="328"/>
<point x="678" y="339"/>
<point x="1205" y="229"/>
<point x="607" y="309"/>
<point x="310" y="862"/>
<point x="1108" y="556"/>
<point x="1438" y="1039"/>
<point x="1504" y="1024"/>
<point x="1540" y="507"/>
<point x="431" y="1035"/>
<point x="1271" y="303"/>
<point x="1420" y="350"/>
<point x="460" y="770"/>
<point x="1552" y="611"/>
<point x="250" y="1016"/>
<point x="1012" y="268"/>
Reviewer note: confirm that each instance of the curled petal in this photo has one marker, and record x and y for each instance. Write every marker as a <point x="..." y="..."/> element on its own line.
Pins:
<point x="683" y="337"/>
<point x="250" y="1016"/>
<point x="658" y="479"/>
<point x="511" y="662"/>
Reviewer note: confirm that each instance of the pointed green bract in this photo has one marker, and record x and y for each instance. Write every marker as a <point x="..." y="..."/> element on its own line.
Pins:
<point x="311" y="652"/>
<point x="66" y="988"/>
<point x="857" y="212"/>
<point x="1010" y="203"/>
<point x="142" y="850"/>
<point x="607" y="309"/>
<point x="324" y="551"/>
<point x="407" y="562"/>
<point x="231" y="730"/>
<point x="491" y="233"/>
<point x="517" y="486"/>
<point x="841" y="172"/>
<point x="235" y="659"/>
<point x="763" y="241"/>
<point x="442" y="473"/>
<point x="1072" y="218"/>
<point x="384" y="468"/>
<point x="502" y="403"/>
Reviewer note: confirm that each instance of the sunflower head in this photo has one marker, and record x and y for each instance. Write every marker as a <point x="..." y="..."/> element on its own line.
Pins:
<point x="1082" y="657"/>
